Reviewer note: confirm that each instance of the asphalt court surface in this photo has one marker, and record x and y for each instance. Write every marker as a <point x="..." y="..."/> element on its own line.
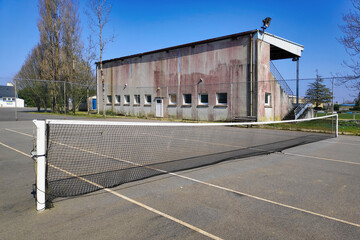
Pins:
<point x="306" y="192"/>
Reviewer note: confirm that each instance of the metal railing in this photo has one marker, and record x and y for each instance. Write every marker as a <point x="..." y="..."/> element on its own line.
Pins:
<point x="301" y="109"/>
<point x="277" y="75"/>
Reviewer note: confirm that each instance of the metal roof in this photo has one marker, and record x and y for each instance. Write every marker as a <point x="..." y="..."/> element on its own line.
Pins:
<point x="280" y="48"/>
<point x="7" y="91"/>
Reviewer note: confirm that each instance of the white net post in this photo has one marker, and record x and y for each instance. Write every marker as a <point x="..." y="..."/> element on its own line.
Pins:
<point x="336" y="125"/>
<point x="40" y="163"/>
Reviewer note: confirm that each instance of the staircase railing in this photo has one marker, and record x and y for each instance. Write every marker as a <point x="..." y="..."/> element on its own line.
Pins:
<point x="301" y="109"/>
<point x="277" y="75"/>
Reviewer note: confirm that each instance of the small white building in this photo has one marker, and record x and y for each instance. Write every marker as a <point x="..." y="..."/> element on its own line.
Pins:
<point x="7" y="97"/>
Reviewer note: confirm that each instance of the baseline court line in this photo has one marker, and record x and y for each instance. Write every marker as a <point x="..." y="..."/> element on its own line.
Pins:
<point x="207" y="234"/>
<point x="228" y="189"/>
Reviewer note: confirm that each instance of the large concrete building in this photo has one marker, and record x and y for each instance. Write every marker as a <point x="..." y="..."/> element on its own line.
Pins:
<point x="220" y="79"/>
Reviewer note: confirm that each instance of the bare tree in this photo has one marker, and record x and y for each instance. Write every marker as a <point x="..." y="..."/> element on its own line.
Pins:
<point x="89" y="57"/>
<point x="99" y="16"/>
<point x="351" y="42"/>
<point x="62" y="50"/>
<point x="50" y="26"/>
<point x="71" y="53"/>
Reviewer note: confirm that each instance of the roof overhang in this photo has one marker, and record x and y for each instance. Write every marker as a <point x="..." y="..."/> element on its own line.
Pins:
<point x="280" y="48"/>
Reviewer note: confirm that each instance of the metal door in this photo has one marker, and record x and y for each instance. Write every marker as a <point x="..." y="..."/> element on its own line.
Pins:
<point x="159" y="107"/>
<point x="94" y="104"/>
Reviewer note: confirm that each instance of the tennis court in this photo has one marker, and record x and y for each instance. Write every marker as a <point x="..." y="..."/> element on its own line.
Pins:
<point x="308" y="191"/>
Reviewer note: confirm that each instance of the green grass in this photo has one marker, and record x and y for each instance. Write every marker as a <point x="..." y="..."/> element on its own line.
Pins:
<point x="345" y="127"/>
<point x="342" y="116"/>
<point x="349" y="127"/>
<point x="320" y="126"/>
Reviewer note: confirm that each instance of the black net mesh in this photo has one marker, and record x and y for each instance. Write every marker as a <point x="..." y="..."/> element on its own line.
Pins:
<point x="82" y="158"/>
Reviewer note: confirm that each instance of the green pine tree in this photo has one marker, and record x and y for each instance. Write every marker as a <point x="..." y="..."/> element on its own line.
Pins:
<point x="318" y="93"/>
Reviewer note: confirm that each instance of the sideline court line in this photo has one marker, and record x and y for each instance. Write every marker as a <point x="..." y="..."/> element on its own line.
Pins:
<point x="196" y="229"/>
<point x="242" y="193"/>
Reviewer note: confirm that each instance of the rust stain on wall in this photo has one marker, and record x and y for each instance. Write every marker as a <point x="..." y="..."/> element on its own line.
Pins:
<point x="222" y="66"/>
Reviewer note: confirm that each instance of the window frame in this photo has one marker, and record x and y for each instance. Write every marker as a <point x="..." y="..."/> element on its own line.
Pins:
<point x="108" y="99"/>
<point x="117" y="99"/>
<point x="126" y="99"/>
<point x="184" y="99"/>
<point x="217" y="99"/>
<point x="200" y="102"/>
<point x="171" y="103"/>
<point x="267" y="102"/>
<point x="146" y="102"/>
<point x="137" y="100"/>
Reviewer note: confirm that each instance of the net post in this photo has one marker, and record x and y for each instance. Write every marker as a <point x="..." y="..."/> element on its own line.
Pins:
<point x="336" y="125"/>
<point x="40" y="163"/>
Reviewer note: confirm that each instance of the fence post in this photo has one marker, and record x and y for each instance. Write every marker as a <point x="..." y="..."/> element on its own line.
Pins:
<point x="16" y="116"/>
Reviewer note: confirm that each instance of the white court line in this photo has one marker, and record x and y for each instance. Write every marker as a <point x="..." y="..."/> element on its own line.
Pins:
<point x="207" y="234"/>
<point x="25" y="134"/>
<point x="322" y="158"/>
<point x="228" y="189"/>
<point x="7" y="146"/>
<point x="345" y="143"/>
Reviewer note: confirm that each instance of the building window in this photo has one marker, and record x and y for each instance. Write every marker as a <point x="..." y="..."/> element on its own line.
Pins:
<point x="203" y="99"/>
<point x="126" y="99"/>
<point x="172" y="99"/>
<point x="117" y="99"/>
<point x="136" y="99"/>
<point x="186" y="99"/>
<point x="109" y="99"/>
<point x="267" y="99"/>
<point x="147" y="99"/>
<point x="221" y="99"/>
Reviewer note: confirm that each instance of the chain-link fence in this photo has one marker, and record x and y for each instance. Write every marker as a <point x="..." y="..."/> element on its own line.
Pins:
<point x="44" y="95"/>
<point x="56" y="96"/>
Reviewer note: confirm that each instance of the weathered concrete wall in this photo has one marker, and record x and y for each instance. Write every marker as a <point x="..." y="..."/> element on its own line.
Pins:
<point x="222" y="65"/>
<point x="280" y="103"/>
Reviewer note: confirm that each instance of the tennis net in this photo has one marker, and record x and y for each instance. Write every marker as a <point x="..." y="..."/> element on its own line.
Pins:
<point x="80" y="157"/>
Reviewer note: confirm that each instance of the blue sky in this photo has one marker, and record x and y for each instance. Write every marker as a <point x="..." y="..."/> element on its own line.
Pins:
<point x="141" y="26"/>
